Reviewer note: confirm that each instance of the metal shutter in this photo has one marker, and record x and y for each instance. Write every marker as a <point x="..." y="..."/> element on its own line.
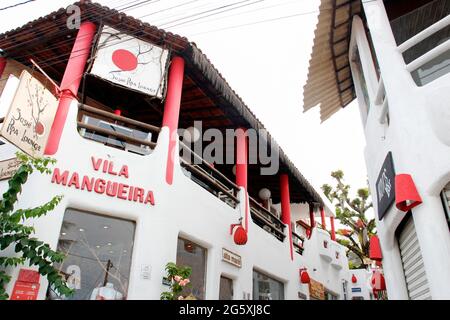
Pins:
<point x="416" y="280"/>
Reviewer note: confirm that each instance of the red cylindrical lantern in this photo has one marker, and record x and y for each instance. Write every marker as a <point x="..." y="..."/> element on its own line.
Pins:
<point x="304" y="276"/>
<point x="375" y="249"/>
<point x="354" y="279"/>
<point x="240" y="236"/>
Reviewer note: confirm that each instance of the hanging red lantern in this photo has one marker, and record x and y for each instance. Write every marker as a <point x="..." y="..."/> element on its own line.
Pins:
<point x="406" y="194"/>
<point x="378" y="281"/>
<point x="354" y="279"/>
<point x="240" y="236"/>
<point x="304" y="276"/>
<point x="375" y="249"/>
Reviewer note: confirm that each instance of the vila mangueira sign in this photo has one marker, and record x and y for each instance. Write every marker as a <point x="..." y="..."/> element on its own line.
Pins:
<point x="102" y="186"/>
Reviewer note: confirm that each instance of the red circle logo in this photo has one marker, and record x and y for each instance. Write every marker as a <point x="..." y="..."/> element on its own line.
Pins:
<point x="39" y="128"/>
<point x="124" y="60"/>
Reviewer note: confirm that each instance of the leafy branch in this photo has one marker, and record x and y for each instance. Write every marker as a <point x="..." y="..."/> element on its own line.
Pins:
<point x="15" y="234"/>
<point x="352" y="213"/>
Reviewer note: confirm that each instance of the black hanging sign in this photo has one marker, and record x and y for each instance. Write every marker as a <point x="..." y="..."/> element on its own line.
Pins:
<point x="385" y="186"/>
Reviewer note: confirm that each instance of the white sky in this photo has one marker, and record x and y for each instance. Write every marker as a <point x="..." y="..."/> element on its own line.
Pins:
<point x="265" y="63"/>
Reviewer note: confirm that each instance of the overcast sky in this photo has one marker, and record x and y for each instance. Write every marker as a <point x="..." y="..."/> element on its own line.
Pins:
<point x="266" y="63"/>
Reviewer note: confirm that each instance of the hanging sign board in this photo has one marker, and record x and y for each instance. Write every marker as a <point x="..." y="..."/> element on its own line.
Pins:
<point x="316" y="290"/>
<point x="30" y="116"/>
<point x="8" y="168"/>
<point x="385" y="186"/>
<point x="130" y="62"/>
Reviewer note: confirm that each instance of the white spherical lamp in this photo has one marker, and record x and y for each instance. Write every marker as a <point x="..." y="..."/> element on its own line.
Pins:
<point x="191" y="134"/>
<point x="234" y="169"/>
<point x="264" y="194"/>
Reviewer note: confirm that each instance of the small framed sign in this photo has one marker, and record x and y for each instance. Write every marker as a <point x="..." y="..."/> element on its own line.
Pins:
<point x="231" y="258"/>
<point x="385" y="186"/>
<point x="9" y="167"/>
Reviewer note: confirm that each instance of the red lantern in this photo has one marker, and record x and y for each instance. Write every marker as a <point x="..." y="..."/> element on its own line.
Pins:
<point x="304" y="276"/>
<point x="354" y="279"/>
<point x="406" y="195"/>
<point x="240" y="236"/>
<point x="308" y="233"/>
<point x="375" y="249"/>
<point x="378" y="281"/>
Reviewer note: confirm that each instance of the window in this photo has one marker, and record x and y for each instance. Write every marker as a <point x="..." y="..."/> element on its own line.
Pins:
<point x="98" y="256"/>
<point x="408" y="18"/>
<point x="266" y="288"/>
<point x="344" y="289"/>
<point x="194" y="256"/>
<point x="226" y="288"/>
<point x="361" y="80"/>
<point x="330" y="296"/>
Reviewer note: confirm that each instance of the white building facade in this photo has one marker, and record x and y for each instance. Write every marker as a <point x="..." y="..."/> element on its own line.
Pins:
<point x="393" y="56"/>
<point x="132" y="203"/>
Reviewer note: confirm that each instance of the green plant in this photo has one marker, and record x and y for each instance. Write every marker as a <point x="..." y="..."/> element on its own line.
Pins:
<point x="352" y="214"/>
<point x="179" y="278"/>
<point x="14" y="232"/>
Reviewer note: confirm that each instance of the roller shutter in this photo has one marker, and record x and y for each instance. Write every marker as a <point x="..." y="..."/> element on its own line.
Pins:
<point x="416" y="280"/>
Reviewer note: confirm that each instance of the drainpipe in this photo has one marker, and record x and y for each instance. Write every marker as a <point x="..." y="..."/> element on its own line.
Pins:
<point x="172" y="110"/>
<point x="322" y="216"/>
<point x="241" y="166"/>
<point x="70" y="83"/>
<point x="333" y="232"/>
<point x="286" y="208"/>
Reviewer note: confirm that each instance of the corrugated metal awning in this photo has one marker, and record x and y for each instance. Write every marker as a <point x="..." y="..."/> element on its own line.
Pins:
<point x="329" y="80"/>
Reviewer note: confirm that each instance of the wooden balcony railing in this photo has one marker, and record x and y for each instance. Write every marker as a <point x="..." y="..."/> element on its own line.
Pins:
<point x="116" y="131"/>
<point x="211" y="179"/>
<point x="298" y="241"/>
<point x="266" y="220"/>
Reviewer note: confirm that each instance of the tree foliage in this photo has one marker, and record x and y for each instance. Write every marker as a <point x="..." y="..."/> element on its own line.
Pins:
<point x="352" y="213"/>
<point x="14" y="233"/>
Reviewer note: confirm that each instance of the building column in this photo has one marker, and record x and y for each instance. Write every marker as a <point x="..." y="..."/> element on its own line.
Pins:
<point x="241" y="166"/>
<point x="333" y="232"/>
<point x="70" y="83"/>
<point x="286" y="208"/>
<point x="2" y="65"/>
<point x="312" y="220"/>
<point x="172" y="110"/>
<point x="322" y="216"/>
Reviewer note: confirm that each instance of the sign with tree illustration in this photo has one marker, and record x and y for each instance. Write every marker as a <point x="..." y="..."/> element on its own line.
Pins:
<point x="30" y="116"/>
<point x="130" y="62"/>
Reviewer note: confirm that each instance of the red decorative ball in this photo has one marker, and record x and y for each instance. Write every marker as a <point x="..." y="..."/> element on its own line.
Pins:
<point x="354" y="279"/>
<point x="304" y="277"/>
<point x="39" y="129"/>
<point x="240" y="236"/>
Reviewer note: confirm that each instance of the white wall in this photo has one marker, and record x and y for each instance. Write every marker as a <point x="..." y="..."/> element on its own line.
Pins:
<point x="418" y="138"/>
<point x="183" y="208"/>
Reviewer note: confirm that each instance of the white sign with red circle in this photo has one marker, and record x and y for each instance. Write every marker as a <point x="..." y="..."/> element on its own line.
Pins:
<point x="130" y="62"/>
<point x="30" y="116"/>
